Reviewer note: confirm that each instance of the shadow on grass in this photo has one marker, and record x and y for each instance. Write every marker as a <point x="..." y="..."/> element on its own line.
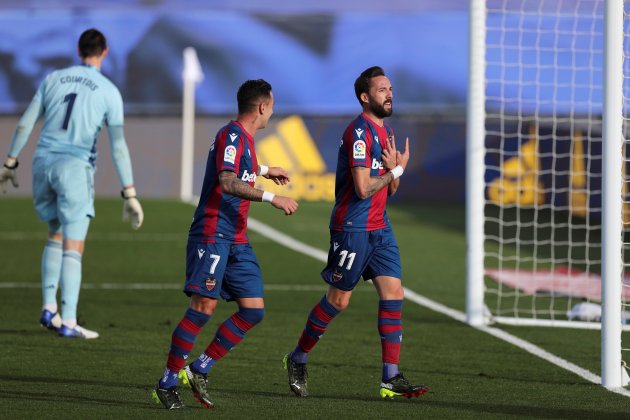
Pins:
<point x="68" y="381"/>
<point x="21" y="396"/>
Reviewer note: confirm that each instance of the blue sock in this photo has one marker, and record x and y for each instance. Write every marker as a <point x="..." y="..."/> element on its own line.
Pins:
<point x="389" y="371"/>
<point x="51" y="271"/>
<point x="316" y="325"/>
<point x="169" y="379"/>
<point x="70" y="284"/>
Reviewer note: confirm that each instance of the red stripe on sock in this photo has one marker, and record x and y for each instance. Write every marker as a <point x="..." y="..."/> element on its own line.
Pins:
<point x="307" y="342"/>
<point x="389" y="328"/>
<point x="216" y="350"/>
<point x="316" y="327"/>
<point x="227" y="333"/>
<point x="388" y="314"/>
<point x="241" y="323"/>
<point x="190" y="326"/>
<point x="174" y="363"/>
<point x="321" y="314"/>
<point x="182" y="344"/>
<point x="390" y="352"/>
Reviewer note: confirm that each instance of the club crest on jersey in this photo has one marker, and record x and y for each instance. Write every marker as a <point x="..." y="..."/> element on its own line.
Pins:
<point x="376" y="164"/>
<point x="337" y="275"/>
<point x="247" y="177"/>
<point x="210" y="283"/>
<point x="359" y="132"/>
<point x="358" y="149"/>
<point x="233" y="136"/>
<point x="230" y="154"/>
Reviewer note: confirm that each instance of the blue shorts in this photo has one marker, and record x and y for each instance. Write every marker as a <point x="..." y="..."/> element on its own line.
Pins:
<point x="63" y="188"/>
<point x="222" y="270"/>
<point x="356" y="254"/>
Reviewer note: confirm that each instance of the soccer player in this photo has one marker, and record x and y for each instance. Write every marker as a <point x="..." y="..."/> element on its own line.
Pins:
<point x="361" y="239"/>
<point x="220" y="261"/>
<point x="75" y="102"/>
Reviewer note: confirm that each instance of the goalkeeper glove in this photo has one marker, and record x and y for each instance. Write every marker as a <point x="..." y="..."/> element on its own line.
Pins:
<point x="132" y="210"/>
<point x="8" y="173"/>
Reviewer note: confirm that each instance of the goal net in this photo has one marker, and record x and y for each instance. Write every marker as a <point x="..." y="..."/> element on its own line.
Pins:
<point x="547" y="189"/>
<point x="543" y="159"/>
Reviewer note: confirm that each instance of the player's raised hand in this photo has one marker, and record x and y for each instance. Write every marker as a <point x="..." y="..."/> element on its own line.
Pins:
<point x="403" y="158"/>
<point x="286" y="204"/>
<point x="388" y="156"/>
<point x="278" y="175"/>
<point x="132" y="210"/>
<point x="8" y="174"/>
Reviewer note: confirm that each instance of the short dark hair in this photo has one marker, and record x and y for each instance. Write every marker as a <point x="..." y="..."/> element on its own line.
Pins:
<point x="92" y="43"/>
<point x="250" y="93"/>
<point x="362" y="84"/>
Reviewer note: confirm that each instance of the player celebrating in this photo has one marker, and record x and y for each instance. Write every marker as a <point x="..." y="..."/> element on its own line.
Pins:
<point x="220" y="261"/>
<point x="75" y="102"/>
<point x="362" y="242"/>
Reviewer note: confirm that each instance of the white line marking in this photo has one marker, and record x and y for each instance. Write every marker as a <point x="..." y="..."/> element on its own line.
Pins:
<point x="99" y="236"/>
<point x="173" y="286"/>
<point x="292" y="243"/>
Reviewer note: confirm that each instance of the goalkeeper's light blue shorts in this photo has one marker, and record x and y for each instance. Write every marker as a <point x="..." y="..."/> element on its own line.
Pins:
<point x="355" y="254"/>
<point x="222" y="270"/>
<point x="63" y="188"/>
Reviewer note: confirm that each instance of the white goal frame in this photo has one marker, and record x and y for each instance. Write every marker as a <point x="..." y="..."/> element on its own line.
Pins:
<point x="612" y="184"/>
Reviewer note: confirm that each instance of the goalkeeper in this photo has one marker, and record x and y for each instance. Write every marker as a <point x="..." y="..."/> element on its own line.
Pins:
<point x="74" y="102"/>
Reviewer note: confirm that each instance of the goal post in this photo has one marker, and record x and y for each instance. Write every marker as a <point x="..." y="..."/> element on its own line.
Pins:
<point x="612" y="212"/>
<point x="546" y="168"/>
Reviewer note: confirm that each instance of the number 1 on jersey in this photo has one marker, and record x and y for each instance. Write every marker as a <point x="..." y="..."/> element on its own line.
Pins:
<point x="70" y="99"/>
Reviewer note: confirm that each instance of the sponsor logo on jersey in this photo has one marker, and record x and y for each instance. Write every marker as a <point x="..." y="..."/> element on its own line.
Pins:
<point x="233" y="136"/>
<point x="376" y="164"/>
<point x="358" y="149"/>
<point x="247" y="177"/>
<point x="200" y="252"/>
<point x="210" y="283"/>
<point x="359" y="132"/>
<point x="335" y="246"/>
<point x="337" y="275"/>
<point x="230" y="154"/>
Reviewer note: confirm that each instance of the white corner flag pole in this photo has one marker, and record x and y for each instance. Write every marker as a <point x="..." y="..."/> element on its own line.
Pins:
<point x="192" y="75"/>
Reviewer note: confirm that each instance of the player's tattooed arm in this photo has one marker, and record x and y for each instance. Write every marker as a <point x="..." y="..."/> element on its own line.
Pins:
<point x="232" y="185"/>
<point x="377" y="183"/>
<point x="365" y="185"/>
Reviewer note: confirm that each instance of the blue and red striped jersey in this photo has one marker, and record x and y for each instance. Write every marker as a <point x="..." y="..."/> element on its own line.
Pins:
<point x="361" y="145"/>
<point x="222" y="217"/>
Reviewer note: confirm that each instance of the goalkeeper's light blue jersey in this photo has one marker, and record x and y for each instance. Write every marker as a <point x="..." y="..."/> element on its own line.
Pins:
<point x="76" y="102"/>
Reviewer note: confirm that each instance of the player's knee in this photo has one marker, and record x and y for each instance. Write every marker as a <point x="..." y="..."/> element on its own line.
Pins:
<point x="252" y="315"/>
<point x="339" y="302"/>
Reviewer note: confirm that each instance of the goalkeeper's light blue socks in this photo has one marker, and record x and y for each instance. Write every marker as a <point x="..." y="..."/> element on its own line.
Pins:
<point x="70" y="286"/>
<point x="51" y="272"/>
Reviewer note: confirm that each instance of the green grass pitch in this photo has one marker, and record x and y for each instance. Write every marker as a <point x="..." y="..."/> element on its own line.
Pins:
<point x="471" y="374"/>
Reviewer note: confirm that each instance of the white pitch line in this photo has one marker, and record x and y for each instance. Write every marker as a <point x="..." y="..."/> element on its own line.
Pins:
<point x="172" y="286"/>
<point x="320" y="255"/>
